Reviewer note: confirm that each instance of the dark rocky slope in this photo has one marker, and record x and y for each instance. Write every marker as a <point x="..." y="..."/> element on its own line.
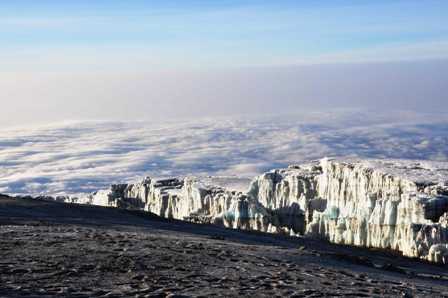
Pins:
<point x="51" y="249"/>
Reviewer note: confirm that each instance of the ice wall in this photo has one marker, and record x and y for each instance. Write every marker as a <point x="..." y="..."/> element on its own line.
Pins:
<point x="388" y="204"/>
<point x="188" y="199"/>
<point x="383" y="204"/>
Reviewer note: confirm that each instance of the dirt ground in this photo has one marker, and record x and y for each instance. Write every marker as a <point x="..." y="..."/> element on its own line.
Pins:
<point x="50" y="249"/>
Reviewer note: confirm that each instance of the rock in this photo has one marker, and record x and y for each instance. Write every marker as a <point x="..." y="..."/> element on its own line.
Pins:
<point x="139" y="277"/>
<point x="177" y="296"/>
<point x="393" y="268"/>
<point x="217" y="237"/>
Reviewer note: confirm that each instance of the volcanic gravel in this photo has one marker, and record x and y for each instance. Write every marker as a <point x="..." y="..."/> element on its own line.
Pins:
<point x="50" y="249"/>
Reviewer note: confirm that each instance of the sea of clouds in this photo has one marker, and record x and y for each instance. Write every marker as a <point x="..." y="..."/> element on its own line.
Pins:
<point x="84" y="156"/>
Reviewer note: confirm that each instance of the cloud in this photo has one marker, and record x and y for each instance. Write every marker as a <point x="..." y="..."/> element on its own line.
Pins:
<point x="416" y="51"/>
<point x="44" y="22"/>
<point x="80" y="157"/>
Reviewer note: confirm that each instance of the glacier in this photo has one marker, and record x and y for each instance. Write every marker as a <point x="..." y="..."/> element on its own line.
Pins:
<point x="399" y="205"/>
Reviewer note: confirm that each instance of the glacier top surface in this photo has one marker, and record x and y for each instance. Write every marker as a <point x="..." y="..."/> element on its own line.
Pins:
<point x="419" y="171"/>
<point x="236" y="183"/>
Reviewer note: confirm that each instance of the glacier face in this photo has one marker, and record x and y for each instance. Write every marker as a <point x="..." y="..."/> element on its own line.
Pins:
<point x="387" y="204"/>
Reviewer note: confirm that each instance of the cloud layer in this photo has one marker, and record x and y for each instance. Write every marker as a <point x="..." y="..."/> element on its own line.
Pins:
<point x="80" y="157"/>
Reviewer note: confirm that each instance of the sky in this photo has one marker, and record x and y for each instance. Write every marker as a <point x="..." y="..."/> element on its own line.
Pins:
<point x="100" y="91"/>
<point x="155" y="60"/>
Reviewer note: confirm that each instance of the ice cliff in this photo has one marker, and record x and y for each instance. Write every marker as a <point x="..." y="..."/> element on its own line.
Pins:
<point x="388" y="204"/>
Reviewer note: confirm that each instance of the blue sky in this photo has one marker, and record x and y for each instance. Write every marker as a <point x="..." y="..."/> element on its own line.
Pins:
<point x="121" y="60"/>
<point x="205" y="34"/>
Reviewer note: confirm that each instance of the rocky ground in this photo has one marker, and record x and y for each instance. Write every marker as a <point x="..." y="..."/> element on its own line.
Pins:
<point x="50" y="249"/>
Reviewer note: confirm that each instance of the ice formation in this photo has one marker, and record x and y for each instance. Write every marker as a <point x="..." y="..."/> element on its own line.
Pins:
<point x="388" y="204"/>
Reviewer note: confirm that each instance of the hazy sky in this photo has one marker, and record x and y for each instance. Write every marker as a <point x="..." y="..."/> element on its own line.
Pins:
<point x="130" y="59"/>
